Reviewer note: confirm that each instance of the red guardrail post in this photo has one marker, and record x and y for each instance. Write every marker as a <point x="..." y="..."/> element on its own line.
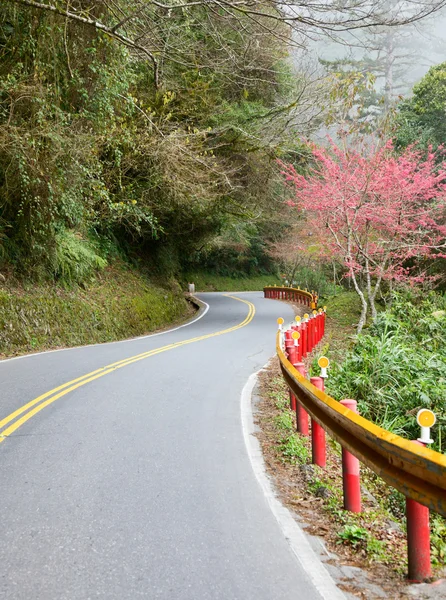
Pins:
<point x="303" y="333"/>
<point x="318" y="449"/>
<point x="418" y="539"/>
<point x="315" y="329"/>
<point x="310" y="333"/>
<point x="301" y="413"/>
<point x="309" y="346"/>
<point x="299" y="347"/>
<point x="293" y="353"/>
<point x="321" y="323"/>
<point x="350" y="472"/>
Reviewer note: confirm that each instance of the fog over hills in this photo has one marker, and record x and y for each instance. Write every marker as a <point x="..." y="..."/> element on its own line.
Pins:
<point x="402" y="54"/>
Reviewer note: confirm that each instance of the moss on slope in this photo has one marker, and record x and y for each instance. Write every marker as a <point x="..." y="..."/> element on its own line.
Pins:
<point x="119" y="304"/>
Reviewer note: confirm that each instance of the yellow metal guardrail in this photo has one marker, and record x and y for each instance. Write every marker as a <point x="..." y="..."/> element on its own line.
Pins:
<point x="418" y="472"/>
<point x="290" y="293"/>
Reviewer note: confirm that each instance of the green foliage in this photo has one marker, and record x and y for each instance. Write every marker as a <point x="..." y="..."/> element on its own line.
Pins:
<point x="344" y="307"/>
<point x="75" y="260"/>
<point x="420" y="119"/>
<point x="291" y="446"/>
<point x="376" y="549"/>
<point x="316" y="277"/>
<point x="217" y="283"/>
<point x="359" y="537"/>
<point x="239" y="251"/>
<point x="90" y="145"/>
<point x="122" y="305"/>
<point x="352" y="535"/>
<point x="294" y="449"/>
<point x="399" y="366"/>
<point x="438" y="539"/>
<point x="354" y="98"/>
<point x="284" y="421"/>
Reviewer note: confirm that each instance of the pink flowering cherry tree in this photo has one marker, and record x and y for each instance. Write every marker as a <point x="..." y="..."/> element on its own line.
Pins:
<point x="379" y="212"/>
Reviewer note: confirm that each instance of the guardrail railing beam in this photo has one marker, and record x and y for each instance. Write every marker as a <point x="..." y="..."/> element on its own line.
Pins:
<point x="416" y="471"/>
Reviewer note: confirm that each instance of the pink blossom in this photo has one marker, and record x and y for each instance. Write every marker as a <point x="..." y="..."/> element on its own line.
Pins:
<point x="376" y="209"/>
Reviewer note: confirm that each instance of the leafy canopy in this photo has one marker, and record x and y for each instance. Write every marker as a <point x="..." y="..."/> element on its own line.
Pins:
<point x="421" y="118"/>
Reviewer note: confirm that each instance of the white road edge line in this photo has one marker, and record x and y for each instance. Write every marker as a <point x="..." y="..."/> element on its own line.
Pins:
<point x="296" y="538"/>
<point x="141" y="337"/>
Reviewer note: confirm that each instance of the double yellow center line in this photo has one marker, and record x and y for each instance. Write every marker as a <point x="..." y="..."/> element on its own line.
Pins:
<point x="27" y="411"/>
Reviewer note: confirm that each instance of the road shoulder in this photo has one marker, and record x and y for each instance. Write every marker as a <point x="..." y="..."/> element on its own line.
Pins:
<point x="309" y="559"/>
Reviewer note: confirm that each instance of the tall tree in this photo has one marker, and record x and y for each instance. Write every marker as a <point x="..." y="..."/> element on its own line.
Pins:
<point x="390" y="59"/>
<point x="379" y="212"/>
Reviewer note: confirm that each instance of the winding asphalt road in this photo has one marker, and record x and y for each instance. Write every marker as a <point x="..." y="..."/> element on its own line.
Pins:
<point x="134" y="481"/>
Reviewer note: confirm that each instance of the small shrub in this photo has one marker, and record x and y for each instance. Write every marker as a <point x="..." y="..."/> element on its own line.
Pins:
<point x="293" y="449"/>
<point x="75" y="260"/>
<point x="438" y="539"/>
<point x="376" y="549"/>
<point x="284" y="421"/>
<point x="352" y="535"/>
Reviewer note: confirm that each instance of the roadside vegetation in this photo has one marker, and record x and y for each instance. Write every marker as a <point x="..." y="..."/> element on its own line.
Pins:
<point x="121" y="304"/>
<point x="112" y="170"/>
<point x="398" y="366"/>
<point x="104" y="151"/>
<point x="373" y="539"/>
<point x="393" y="368"/>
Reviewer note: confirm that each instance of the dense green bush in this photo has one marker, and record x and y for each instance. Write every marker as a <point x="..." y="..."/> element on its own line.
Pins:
<point x="316" y="277"/>
<point x="399" y="366"/>
<point x="420" y="118"/>
<point x="92" y="148"/>
<point x="75" y="259"/>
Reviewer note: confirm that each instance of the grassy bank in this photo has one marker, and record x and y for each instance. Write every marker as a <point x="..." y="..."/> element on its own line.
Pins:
<point x="209" y="282"/>
<point x="120" y="303"/>
<point x="398" y="365"/>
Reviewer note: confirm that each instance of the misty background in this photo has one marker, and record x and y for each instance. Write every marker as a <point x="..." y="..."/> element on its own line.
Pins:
<point x="390" y="59"/>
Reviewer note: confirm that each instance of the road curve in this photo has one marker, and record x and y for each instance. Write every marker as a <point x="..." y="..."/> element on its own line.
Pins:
<point x="137" y="483"/>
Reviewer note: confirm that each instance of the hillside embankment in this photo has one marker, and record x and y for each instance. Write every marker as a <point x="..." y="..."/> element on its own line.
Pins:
<point x="119" y="303"/>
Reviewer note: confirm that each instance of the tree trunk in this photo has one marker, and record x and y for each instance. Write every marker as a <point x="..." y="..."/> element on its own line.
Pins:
<point x="363" y="317"/>
<point x="388" y="70"/>
<point x="371" y="294"/>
